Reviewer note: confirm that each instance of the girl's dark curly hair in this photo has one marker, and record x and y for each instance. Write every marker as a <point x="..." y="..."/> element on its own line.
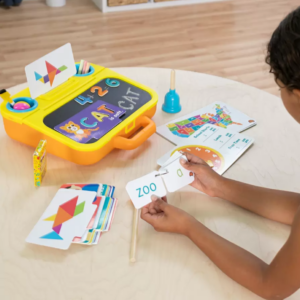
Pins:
<point x="283" y="55"/>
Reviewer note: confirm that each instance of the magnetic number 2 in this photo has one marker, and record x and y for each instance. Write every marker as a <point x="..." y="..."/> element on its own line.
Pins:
<point x="101" y="93"/>
<point x="83" y="100"/>
<point x="112" y="82"/>
<point x="146" y="189"/>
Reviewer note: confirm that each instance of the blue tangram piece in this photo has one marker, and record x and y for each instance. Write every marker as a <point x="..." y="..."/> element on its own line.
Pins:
<point x="37" y="76"/>
<point x="52" y="236"/>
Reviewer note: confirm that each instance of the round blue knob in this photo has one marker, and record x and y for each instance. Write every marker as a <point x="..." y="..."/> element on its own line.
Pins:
<point x="172" y="103"/>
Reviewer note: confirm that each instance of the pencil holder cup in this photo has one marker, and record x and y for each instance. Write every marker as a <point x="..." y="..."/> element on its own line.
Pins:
<point x="26" y="100"/>
<point x="91" y="71"/>
<point x="172" y="103"/>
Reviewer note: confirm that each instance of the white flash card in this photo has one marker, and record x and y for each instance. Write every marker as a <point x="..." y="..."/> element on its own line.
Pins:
<point x="174" y="156"/>
<point x="140" y="190"/>
<point x="176" y="176"/>
<point x="67" y="216"/>
<point x="50" y="71"/>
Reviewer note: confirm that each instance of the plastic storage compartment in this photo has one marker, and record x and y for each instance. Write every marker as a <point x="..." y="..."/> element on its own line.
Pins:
<point x="31" y="102"/>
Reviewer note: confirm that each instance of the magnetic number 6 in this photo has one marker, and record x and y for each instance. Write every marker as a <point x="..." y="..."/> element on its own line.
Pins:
<point x="112" y="82"/>
<point x="146" y="189"/>
<point x="101" y="93"/>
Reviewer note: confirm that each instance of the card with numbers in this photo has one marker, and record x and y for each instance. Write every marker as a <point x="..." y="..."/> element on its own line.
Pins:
<point x="218" y="147"/>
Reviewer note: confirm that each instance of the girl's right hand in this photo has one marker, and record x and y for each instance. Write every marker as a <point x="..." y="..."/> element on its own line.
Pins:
<point x="206" y="179"/>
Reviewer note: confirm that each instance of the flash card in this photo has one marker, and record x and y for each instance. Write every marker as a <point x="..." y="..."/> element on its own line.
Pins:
<point x="174" y="157"/>
<point x="50" y="71"/>
<point x="175" y="176"/>
<point x="67" y="216"/>
<point x="141" y="189"/>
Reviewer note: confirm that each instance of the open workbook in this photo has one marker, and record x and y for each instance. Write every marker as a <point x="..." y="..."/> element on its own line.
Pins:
<point x="218" y="113"/>
<point x="217" y="146"/>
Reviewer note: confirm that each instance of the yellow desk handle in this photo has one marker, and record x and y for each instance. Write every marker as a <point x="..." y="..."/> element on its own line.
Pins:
<point x="132" y="143"/>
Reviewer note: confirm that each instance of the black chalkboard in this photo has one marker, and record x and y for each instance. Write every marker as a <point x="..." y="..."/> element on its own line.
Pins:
<point x="125" y="96"/>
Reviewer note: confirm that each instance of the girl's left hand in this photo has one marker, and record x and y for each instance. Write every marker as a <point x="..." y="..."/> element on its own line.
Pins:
<point x="165" y="217"/>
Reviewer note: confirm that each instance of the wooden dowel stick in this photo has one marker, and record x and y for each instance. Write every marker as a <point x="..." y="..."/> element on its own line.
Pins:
<point x="172" y="80"/>
<point x="134" y="235"/>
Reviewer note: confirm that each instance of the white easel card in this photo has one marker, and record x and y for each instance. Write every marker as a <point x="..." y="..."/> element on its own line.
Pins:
<point x="67" y="216"/>
<point x="219" y="147"/>
<point x="218" y="113"/>
<point x="50" y="71"/>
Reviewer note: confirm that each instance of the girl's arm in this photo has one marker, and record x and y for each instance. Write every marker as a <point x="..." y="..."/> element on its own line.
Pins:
<point x="276" y="281"/>
<point x="280" y="206"/>
<point x="276" y="205"/>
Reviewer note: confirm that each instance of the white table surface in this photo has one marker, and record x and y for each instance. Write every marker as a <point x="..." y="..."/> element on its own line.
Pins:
<point x="169" y="266"/>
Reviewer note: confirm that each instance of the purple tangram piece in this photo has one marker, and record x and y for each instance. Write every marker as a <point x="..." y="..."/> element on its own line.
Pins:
<point x="57" y="228"/>
<point x="58" y="71"/>
<point x="46" y="78"/>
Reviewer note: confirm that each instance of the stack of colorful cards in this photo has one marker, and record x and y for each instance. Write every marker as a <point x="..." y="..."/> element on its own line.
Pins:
<point x="78" y="213"/>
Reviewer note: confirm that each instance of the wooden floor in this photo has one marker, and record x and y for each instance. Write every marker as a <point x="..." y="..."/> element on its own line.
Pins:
<point x="227" y="39"/>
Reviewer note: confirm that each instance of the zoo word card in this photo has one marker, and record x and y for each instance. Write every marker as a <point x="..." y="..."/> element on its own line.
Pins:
<point x="217" y="113"/>
<point x="171" y="176"/>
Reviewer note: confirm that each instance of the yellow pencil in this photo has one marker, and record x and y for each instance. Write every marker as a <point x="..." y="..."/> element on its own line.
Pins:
<point x="5" y="95"/>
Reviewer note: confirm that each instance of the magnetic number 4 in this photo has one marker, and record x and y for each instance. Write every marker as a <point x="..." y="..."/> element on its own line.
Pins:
<point x="83" y="100"/>
<point x="146" y="189"/>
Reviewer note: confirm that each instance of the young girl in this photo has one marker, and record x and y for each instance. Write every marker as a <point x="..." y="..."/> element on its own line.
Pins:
<point x="281" y="278"/>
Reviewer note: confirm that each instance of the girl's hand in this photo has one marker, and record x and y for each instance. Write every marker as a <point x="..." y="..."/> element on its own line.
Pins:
<point x="206" y="179"/>
<point x="165" y="217"/>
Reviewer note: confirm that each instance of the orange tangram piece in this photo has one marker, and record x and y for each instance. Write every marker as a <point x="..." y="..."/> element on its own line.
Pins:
<point x="65" y="212"/>
<point x="51" y="77"/>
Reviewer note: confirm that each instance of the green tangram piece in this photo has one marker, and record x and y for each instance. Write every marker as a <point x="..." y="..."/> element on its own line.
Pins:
<point x="62" y="68"/>
<point x="79" y="209"/>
